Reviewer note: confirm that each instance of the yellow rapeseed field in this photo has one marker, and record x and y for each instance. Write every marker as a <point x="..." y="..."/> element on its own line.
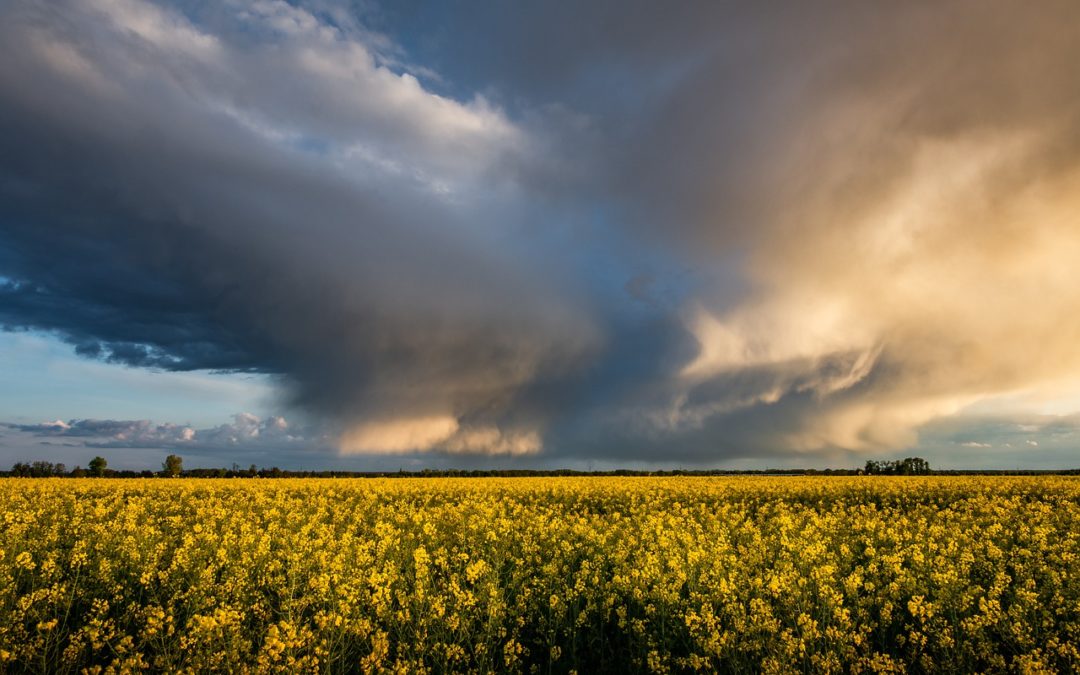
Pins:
<point x="860" y="574"/>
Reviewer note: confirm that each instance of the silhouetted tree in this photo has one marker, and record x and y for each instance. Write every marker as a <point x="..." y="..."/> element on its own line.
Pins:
<point x="38" y="469"/>
<point x="909" y="466"/>
<point x="97" y="466"/>
<point x="173" y="466"/>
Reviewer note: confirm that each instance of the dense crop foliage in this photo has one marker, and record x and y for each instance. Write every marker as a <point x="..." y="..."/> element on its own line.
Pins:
<point x="546" y="574"/>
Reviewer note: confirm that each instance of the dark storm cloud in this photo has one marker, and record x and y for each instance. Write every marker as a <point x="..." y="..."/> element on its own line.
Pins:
<point x="615" y="230"/>
<point x="896" y="186"/>
<point x="151" y="220"/>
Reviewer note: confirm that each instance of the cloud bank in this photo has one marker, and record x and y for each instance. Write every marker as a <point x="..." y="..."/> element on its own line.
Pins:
<point x="637" y="234"/>
<point x="245" y="429"/>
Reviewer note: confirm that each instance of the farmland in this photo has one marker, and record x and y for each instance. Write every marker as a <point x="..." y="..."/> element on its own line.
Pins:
<point x="586" y="574"/>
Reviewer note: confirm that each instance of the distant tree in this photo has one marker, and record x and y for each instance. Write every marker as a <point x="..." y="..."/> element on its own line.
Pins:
<point x="38" y="469"/>
<point x="916" y="466"/>
<point x="78" y="472"/>
<point x="173" y="466"/>
<point x="97" y="466"/>
<point x="909" y="466"/>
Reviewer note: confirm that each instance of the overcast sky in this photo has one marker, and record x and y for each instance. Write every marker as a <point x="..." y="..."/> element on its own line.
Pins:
<point x="599" y="234"/>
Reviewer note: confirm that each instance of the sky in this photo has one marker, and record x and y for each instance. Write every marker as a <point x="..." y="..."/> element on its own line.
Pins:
<point x="372" y="236"/>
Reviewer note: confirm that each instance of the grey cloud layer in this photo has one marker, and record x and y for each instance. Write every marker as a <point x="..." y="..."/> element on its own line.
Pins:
<point x="691" y="233"/>
<point x="245" y="430"/>
<point x="138" y="444"/>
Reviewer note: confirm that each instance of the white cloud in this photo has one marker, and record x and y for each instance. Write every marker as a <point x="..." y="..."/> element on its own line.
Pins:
<point x="397" y="435"/>
<point x="443" y="433"/>
<point x="293" y="79"/>
<point x="158" y="27"/>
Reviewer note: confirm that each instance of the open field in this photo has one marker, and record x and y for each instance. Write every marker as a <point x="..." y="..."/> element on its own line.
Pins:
<point x="541" y="574"/>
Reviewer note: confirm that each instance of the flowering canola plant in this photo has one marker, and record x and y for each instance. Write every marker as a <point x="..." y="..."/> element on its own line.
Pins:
<point x="586" y="574"/>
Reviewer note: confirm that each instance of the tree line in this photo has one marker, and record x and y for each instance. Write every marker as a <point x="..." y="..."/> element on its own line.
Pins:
<point x="909" y="466"/>
<point x="173" y="466"/>
<point x="98" y="467"/>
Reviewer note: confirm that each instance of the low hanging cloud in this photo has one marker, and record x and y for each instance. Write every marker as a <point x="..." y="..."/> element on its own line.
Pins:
<point x="443" y="432"/>
<point x="246" y="429"/>
<point x="671" y="234"/>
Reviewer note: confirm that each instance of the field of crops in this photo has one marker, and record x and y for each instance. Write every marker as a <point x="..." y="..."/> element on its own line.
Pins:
<point x="861" y="574"/>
